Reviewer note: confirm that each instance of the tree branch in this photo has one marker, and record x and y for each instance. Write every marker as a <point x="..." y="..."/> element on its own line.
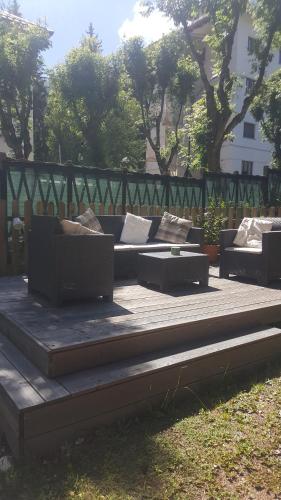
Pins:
<point x="200" y="59"/>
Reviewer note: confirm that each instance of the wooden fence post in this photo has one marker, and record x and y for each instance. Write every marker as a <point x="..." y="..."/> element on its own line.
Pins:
<point x="3" y="217"/>
<point x="3" y="237"/>
<point x="27" y="222"/>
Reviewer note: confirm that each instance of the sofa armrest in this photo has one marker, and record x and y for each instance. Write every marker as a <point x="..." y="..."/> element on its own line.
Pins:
<point x="271" y="245"/>
<point x="84" y="248"/>
<point x="196" y="235"/>
<point x="226" y="237"/>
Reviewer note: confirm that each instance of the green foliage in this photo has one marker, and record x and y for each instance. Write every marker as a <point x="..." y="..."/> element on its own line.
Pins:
<point x="266" y="108"/>
<point x="196" y="130"/>
<point x="40" y="147"/>
<point x="222" y="18"/>
<point x="123" y="132"/>
<point x="213" y="221"/>
<point x="159" y="74"/>
<point x="92" y="116"/>
<point x="21" y="67"/>
<point x="11" y="6"/>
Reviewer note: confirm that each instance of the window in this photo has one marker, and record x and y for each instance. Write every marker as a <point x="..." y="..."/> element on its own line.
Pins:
<point x="250" y="82"/>
<point x="252" y="44"/>
<point x="249" y="130"/>
<point x="247" y="167"/>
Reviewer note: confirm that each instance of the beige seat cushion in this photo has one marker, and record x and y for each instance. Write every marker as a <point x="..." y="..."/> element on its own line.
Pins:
<point x="173" y="229"/>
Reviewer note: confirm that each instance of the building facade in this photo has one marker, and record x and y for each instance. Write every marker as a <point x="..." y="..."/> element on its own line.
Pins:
<point x="248" y="152"/>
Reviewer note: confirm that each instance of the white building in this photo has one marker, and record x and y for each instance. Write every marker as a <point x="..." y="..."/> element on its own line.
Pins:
<point x="248" y="153"/>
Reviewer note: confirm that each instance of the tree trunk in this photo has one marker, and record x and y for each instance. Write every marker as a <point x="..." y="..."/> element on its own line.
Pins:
<point x="213" y="157"/>
<point x="17" y="150"/>
<point x="277" y="153"/>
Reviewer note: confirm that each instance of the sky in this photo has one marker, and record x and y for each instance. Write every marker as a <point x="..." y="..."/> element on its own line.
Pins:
<point x="113" y="21"/>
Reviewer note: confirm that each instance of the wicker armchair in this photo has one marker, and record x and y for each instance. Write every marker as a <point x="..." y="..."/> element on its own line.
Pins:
<point x="262" y="264"/>
<point x="68" y="267"/>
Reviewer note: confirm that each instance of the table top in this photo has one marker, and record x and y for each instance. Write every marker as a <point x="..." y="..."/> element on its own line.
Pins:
<point x="168" y="255"/>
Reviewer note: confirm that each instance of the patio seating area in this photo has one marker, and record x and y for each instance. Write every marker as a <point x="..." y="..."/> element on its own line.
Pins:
<point x="66" y="370"/>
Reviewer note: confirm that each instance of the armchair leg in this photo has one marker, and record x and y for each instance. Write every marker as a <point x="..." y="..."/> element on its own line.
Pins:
<point x="262" y="282"/>
<point x="108" y="298"/>
<point x="223" y="274"/>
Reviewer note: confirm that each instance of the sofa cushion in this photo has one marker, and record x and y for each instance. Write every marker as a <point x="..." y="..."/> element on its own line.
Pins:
<point x="75" y="228"/>
<point x="258" y="226"/>
<point x="135" y="230"/>
<point x="244" y="250"/>
<point x="89" y="219"/>
<point x="276" y="222"/>
<point x="242" y="232"/>
<point x="250" y="231"/>
<point x="172" y="229"/>
<point x="154" y="247"/>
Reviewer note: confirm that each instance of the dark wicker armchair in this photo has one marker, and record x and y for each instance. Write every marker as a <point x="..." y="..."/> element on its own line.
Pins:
<point x="262" y="264"/>
<point x="65" y="267"/>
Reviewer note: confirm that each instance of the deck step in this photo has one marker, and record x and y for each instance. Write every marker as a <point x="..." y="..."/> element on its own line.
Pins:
<point x="63" y="342"/>
<point x="38" y="413"/>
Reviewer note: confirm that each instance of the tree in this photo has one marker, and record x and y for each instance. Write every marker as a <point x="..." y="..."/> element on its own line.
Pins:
<point x="88" y="84"/>
<point x="21" y="65"/>
<point x="194" y="136"/>
<point x="160" y="74"/>
<point x="123" y="135"/>
<point x="223" y="17"/>
<point x="40" y="93"/>
<point x="266" y="108"/>
<point x="92" y="116"/>
<point x="64" y="140"/>
<point x="11" y="6"/>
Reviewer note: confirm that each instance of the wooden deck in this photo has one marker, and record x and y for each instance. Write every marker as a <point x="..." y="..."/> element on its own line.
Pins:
<point x="66" y="370"/>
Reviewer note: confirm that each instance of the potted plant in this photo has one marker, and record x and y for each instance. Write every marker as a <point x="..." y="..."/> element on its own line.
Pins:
<point x="213" y="221"/>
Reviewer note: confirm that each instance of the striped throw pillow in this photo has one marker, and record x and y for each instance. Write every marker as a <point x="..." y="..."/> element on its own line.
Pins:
<point x="89" y="220"/>
<point x="173" y="229"/>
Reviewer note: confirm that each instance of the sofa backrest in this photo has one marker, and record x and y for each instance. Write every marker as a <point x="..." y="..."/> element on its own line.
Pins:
<point x="113" y="224"/>
<point x="45" y="225"/>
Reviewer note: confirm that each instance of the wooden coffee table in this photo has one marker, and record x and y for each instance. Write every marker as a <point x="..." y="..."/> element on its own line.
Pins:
<point x="166" y="270"/>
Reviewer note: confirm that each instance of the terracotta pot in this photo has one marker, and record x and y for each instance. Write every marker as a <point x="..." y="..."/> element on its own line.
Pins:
<point x="212" y="251"/>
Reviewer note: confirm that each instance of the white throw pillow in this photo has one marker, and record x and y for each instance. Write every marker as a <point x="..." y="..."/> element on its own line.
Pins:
<point x="242" y="233"/>
<point x="135" y="230"/>
<point x="257" y="227"/>
<point x="70" y="227"/>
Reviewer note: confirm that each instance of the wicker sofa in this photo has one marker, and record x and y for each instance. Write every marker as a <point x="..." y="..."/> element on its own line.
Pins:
<point x="262" y="264"/>
<point x="126" y="256"/>
<point x="62" y="266"/>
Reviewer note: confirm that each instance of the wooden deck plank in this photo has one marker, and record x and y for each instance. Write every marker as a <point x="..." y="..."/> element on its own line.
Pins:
<point x="19" y="391"/>
<point x="99" y="391"/>
<point x="78" y="336"/>
<point x="111" y="328"/>
<point x="48" y="327"/>
<point x="48" y="389"/>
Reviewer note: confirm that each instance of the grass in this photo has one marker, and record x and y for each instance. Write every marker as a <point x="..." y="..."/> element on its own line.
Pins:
<point x="225" y="444"/>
